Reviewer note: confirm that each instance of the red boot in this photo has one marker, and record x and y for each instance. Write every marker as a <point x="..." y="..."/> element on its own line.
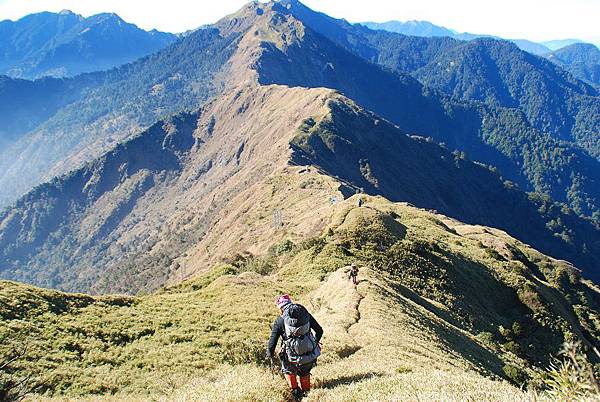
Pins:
<point x="293" y="383"/>
<point x="305" y="383"/>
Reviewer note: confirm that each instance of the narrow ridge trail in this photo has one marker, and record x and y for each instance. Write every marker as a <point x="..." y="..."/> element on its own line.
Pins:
<point x="358" y="302"/>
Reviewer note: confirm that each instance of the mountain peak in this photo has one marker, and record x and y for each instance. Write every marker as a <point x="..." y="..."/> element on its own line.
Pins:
<point x="106" y="17"/>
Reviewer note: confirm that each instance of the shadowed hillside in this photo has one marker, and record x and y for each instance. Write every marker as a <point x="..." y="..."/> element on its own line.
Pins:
<point x="102" y="109"/>
<point x="550" y="145"/>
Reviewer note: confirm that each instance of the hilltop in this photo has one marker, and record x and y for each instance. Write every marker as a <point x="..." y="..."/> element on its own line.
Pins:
<point x="580" y="59"/>
<point x="440" y="306"/>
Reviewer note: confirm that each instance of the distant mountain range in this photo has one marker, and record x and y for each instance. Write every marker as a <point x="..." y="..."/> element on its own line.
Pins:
<point x="579" y="58"/>
<point x="557" y="44"/>
<point x="66" y="44"/>
<point x="427" y="29"/>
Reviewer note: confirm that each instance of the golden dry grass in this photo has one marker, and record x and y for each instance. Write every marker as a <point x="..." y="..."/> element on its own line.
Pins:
<point x="384" y="341"/>
<point x="367" y="357"/>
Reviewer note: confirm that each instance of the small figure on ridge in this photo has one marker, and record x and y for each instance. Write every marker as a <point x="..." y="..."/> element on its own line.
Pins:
<point x="354" y="273"/>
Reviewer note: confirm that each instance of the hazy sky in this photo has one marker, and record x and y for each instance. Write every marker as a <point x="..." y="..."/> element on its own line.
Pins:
<point x="532" y="19"/>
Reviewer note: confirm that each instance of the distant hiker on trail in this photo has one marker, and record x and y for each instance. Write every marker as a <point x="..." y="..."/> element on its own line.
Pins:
<point x="299" y="347"/>
<point x="354" y="273"/>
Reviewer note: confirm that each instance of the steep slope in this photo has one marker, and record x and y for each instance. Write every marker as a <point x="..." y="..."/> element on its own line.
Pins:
<point x="178" y="78"/>
<point x="562" y="110"/>
<point x="67" y="44"/>
<point x="142" y="205"/>
<point x="182" y="195"/>
<point x="443" y="310"/>
<point x="580" y="59"/>
<point x="373" y="155"/>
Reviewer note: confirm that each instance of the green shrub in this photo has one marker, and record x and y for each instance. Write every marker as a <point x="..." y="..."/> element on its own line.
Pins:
<point x="487" y="338"/>
<point x="491" y="253"/>
<point x="286" y="246"/>
<point x="246" y="262"/>
<point x="517" y="330"/>
<point x="515" y="374"/>
<point x="512" y="346"/>
<point x="315" y="244"/>
<point x="260" y="265"/>
<point x="403" y="370"/>
<point x="246" y="352"/>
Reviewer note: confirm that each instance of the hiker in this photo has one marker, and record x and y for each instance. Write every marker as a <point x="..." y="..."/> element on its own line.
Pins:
<point x="299" y="347"/>
<point x="354" y="273"/>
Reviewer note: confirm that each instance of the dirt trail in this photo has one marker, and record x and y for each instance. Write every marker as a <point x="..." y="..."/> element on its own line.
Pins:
<point x="357" y="306"/>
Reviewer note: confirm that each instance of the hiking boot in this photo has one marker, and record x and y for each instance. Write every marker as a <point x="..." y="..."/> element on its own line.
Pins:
<point x="297" y="394"/>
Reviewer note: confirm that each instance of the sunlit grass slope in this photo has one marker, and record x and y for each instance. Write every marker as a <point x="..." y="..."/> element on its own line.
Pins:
<point x="443" y="311"/>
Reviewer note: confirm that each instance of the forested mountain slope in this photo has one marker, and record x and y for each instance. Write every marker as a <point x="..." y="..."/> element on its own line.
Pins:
<point x="153" y="208"/>
<point x="580" y="59"/>
<point x="171" y="201"/>
<point x="563" y="110"/>
<point x="559" y="157"/>
<point x="104" y="108"/>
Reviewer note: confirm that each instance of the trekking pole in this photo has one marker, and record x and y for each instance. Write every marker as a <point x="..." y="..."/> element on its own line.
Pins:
<point x="272" y="367"/>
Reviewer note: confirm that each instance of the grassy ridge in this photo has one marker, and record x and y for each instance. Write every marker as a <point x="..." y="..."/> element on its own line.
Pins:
<point x="437" y="299"/>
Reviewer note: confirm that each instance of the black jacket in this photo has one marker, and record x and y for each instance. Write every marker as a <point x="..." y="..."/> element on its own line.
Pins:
<point x="278" y="331"/>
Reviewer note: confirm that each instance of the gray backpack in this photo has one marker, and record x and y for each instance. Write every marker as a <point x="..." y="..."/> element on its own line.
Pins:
<point x="300" y="345"/>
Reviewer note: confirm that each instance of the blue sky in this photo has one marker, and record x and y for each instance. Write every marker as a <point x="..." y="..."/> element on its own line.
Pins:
<point x="531" y="19"/>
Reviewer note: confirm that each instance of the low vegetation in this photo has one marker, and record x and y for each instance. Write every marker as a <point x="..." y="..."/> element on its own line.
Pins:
<point x="431" y="304"/>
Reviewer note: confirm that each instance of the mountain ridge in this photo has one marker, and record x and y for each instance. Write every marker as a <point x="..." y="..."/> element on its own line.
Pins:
<point x="432" y="63"/>
<point x="219" y="163"/>
<point x="272" y="47"/>
<point x="405" y="320"/>
<point x="563" y="180"/>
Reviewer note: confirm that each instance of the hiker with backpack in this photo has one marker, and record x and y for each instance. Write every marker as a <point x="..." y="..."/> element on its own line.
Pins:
<point x="354" y="273"/>
<point x="300" y="348"/>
